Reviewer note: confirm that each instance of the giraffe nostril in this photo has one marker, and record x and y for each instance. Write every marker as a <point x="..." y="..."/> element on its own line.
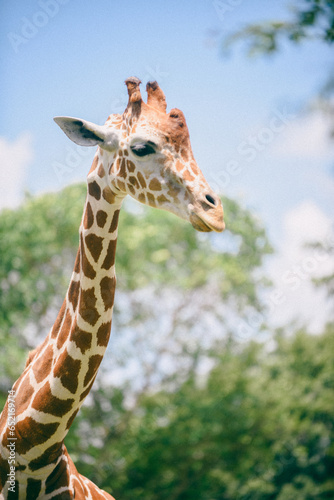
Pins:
<point x="210" y="200"/>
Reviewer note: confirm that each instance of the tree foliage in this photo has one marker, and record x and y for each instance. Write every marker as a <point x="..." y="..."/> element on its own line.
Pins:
<point x="309" y="20"/>
<point x="259" y="427"/>
<point x="326" y="281"/>
<point x="37" y="243"/>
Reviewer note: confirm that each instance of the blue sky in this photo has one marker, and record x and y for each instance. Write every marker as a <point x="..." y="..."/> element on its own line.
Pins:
<point x="248" y="132"/>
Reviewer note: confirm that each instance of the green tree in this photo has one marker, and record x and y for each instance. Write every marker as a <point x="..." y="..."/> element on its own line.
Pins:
<point x="308" y="21"/>
<point x="326" y="281"/>
<point x="260" y="426"/>
<point x="37" y="244"/>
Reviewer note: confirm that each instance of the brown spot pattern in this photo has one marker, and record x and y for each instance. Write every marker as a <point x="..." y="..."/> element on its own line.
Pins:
<point x="88" y="310"/>
<point x="88" y="220"/>
<point x="188" y="176"/>
<point x="101" y="171"/>
<point x="4" y="470"/>
<point x="107" y="287"/>
<point x="73" y="293"/>
<point x="179" y="165"/>
<point x="141" y="180"/>
<point x="86" y="266"/>
<point x="42" y="366"/>
<point x="22" y="400"/>
<point x="122" y="170"/>
<point x="117" y="165"/>
<point x="14" y="495"/>
<point x="72" y="417"/>
<point x="93" y="364"/>
<point x="82" y="339"/>
<point x="108" y="195"/>
<point x="103" y="334"/>
<point x="77" y="263"/>
<point x="110" y="257"/>
<point x="94" y="245"/>
<point x="46" y="402"/>
<point x="63" y="334"/>
<point x="121" y="185"/>
<point x="101" y="218"/>
<point x="112" y="169"/>
<point x="131" y="166"/>
<point x="162" y="199"/>
<point x="94" y="190"/>
<point x="114" y="222"/>
<point x="131" y="189"/>
<point x="49" y="456"/>
<point x="133" y="181"/>
<point x="155" y="185"/>
<point x="32" y="434"/>
<point x="58" y="321"/>
<point x="151" y="199"/>
<point x="58" y="478"/>
<point x="194" y="168"/>
<point x="67" y="370"/>
<point x="33" y="488"/>
<point x="173" y="192"/>
<point x="141" y="198"/>
<point x="87" y="390"/>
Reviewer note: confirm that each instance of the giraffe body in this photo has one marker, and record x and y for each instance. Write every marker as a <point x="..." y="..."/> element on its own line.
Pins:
<point x="145" y="153"/>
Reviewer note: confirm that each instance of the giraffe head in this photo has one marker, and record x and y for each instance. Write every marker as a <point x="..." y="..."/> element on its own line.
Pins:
<point x="146" y="153"/>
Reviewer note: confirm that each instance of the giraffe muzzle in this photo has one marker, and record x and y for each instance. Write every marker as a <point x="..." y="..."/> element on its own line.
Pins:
<point x="208" y="215"/>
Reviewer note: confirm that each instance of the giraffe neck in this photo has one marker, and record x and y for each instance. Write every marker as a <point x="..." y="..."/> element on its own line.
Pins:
<point x="61" y="371"/>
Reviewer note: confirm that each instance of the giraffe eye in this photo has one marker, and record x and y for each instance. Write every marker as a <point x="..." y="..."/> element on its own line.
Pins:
<point x="142" y="149"/>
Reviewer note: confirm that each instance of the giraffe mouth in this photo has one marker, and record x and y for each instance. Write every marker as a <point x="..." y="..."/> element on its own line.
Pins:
<point x="206" y="226"/>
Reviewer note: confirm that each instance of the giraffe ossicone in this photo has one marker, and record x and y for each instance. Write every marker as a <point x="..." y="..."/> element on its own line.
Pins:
<point x="144" y="153"/>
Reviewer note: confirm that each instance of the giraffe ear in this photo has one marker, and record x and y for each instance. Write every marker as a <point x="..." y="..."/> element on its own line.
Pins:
<point x="88" y="134"/>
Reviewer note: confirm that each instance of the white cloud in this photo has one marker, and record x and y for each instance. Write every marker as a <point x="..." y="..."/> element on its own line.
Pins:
<point x="305" y="138"/>
<point x="294" y="267"/>
<point x="15" y="158"/>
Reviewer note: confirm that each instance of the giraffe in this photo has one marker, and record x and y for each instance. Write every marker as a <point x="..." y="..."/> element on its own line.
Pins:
<point x="144" y="153"/>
